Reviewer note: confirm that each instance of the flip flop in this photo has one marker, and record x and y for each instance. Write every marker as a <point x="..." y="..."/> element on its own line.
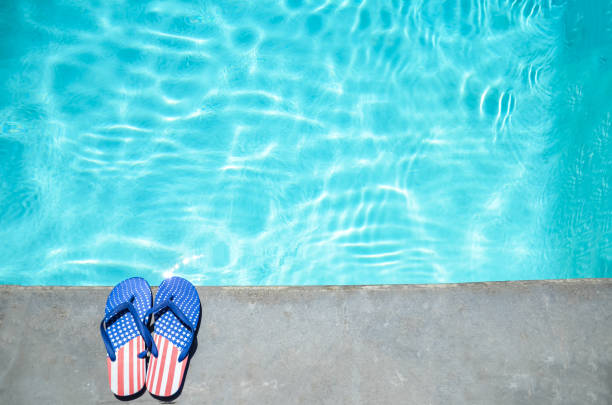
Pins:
<point x="126" y="336"/>
<point x="177" y="312"/>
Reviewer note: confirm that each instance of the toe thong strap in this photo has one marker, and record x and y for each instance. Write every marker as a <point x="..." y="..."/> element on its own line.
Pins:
<point x="182" y="317"/>
<point x="144" y="332"/>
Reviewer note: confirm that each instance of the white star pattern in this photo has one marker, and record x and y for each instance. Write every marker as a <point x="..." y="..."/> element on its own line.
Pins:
<point x="123" y="329"/>
<point x="185" y="296"/>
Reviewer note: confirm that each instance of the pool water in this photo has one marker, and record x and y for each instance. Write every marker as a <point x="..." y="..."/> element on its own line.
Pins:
<point x="305" y="142"/>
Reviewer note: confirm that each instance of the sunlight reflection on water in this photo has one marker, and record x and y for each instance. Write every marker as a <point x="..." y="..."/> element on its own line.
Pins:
<point x="304" y="142"/>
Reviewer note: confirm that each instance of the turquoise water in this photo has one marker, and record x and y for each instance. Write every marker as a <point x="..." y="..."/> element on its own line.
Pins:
<point x="300" y="142"/>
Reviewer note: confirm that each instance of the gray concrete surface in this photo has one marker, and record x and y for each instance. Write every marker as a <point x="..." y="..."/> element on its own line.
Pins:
<point x="543" y="342"/>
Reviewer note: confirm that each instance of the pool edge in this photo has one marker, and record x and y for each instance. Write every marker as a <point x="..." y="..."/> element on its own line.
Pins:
<point x="509" y="342"/>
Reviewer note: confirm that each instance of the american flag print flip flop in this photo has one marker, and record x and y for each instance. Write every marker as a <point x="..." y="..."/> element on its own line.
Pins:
<point x="126" y="336"/>
<point x="177" y="313"/>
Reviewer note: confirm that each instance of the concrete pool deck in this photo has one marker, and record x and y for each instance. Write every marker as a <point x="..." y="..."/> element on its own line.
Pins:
<point x="536" y="342"/>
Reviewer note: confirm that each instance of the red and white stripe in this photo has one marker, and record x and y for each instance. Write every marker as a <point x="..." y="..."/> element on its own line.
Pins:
<point x="126" y="375"/>
<point x="165" y="373"/>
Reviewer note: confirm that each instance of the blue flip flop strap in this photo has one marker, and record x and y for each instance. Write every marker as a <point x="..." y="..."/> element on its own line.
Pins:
<point x="181" y="316"/>
<point x="144" y="332"/>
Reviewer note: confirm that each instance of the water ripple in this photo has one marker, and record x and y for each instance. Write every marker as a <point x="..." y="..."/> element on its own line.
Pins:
<point x="295" y="142"/>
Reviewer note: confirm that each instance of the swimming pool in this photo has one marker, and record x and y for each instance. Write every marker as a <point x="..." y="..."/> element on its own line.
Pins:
<point x="301" y="142"/>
